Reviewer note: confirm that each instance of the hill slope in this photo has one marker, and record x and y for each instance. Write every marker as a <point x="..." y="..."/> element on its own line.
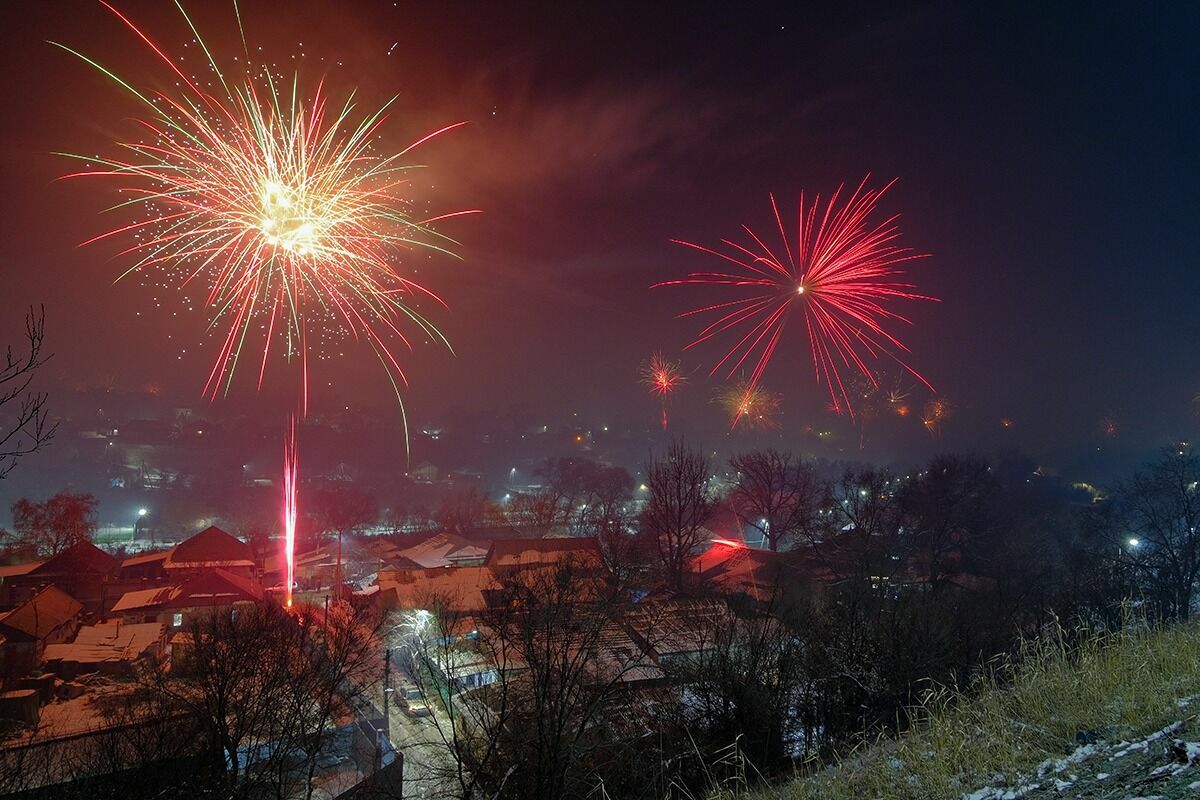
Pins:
<point x="1116" y="717"/>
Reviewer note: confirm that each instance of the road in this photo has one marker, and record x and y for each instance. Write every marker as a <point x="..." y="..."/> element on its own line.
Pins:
<point x="428" y="765"/>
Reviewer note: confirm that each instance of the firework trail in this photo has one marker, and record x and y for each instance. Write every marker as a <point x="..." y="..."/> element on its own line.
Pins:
<point x="750" y="405"/>
<point x="662" y="378"/>
<point x="290" y="466"/>
<point x="840" y="271"/>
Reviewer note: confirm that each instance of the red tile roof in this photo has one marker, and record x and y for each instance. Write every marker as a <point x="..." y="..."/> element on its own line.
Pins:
<point x="734" y="568"/>
<point x="38" y="616"/>
<point x="146" y="558"/>
<point x="78" y="559"/>
<point x="215" y="588"/>
<point x="144" y="599"/>
<point x="13" y="570"/>
<point x="211" y="547"/>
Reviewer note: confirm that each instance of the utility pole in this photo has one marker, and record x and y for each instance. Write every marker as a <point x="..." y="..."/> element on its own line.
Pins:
<point x="387" y="691"/>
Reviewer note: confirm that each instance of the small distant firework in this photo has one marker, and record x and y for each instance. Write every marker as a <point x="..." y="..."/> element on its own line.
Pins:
<point x="871" y="401"/>
<point x="897" y="400"/>
<point x="1196" y="405"/>
<point x="662" y="378"/>
<point x="1005" y="422"/>
<point x="937" y="411"/>
<point x="1109" y="427"/>
<point x="839" y="271"/>
<point x="750" y="406"/>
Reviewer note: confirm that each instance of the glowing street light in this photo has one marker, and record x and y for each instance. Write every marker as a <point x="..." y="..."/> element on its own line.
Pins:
<point x="1134" y="542"/>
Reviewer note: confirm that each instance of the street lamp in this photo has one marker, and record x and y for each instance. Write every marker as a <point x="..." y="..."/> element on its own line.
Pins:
<point x="1134" y="542"/>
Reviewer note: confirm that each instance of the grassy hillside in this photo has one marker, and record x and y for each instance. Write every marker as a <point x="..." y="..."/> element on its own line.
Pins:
<point x="1117" y="717"/>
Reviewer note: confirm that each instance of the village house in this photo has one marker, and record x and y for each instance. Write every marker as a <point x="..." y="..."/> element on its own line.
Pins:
<point x="173" y="606"/>
<point x="211" y="548"/>
<point x="110" y="649"/>
<point x="83" y="571"/>
<point x="49" y="617"/>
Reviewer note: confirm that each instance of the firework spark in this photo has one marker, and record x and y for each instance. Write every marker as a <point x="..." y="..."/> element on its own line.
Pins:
<point x="840" y="270"/>
<point x="662" y="378"/>
<point x="278" y="208"/>
<point x="750" y="405"/>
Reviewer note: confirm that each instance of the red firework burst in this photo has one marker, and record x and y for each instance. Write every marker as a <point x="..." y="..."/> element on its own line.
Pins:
<point x="662" y="377"/>
<point x="840" y="270"/>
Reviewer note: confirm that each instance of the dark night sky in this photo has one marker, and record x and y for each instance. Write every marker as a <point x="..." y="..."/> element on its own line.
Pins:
<point x="1047" y="159"/>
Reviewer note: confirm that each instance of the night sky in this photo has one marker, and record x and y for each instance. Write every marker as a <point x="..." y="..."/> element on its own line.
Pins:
<point x="1047" y="159"/>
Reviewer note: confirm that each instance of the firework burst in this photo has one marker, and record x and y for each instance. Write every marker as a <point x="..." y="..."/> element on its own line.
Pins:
<point x="277" y="208"/>
<point x="662" y="377"/>
<point x="840" y="271"/>
<point x="749" y="405"/>
<point x="937" y="411"/>
<point x="1109" y="426"/>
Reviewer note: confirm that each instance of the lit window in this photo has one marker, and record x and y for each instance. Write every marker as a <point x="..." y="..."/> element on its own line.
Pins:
<point x="177" y="620"/>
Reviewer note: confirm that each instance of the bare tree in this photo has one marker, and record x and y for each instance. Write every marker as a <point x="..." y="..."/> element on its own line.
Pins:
<point x="530" y="691"/>
<point x="605" y="510"/>
<point x="1155" y="530"/>
<point x="341" y="668"/>
<point x="465" y="508"/>
<point x="747" y="684"/>
<point x="29" y="429"/>
<point x="342" y="511"/>
<point x="679" y="505"/>
<point x="55" y="524"/>
<point x="263" y="688"/>
<point x="776" y="493"/>
<point x="232" y="677"/>
<point x="862" y="537"/>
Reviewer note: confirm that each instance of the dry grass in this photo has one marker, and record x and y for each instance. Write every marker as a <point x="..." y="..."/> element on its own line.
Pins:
<point x="1121" y="686"/>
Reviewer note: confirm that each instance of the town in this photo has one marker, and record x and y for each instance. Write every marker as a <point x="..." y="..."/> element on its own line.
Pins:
<point x="599" y="401"/>
<point x="647" y="621"/>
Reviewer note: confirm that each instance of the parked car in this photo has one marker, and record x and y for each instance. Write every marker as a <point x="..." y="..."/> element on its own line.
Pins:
<point x="412" y="701"/>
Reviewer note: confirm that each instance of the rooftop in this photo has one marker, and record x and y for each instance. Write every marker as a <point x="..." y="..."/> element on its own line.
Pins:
<point x="111" y="643"/>
<point x="211" y="547"/>
<point x="41" y="614"/>
<point x="524" y="552"/>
